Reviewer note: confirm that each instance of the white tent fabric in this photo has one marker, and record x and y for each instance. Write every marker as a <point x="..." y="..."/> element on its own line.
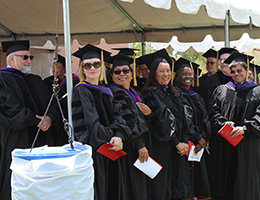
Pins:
<point x="123" y="22"/>
<point x="244" y="44"/>
<point x="240" y="10"/>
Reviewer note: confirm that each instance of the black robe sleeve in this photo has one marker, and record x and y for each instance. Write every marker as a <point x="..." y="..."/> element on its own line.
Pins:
<point x="86" y="120"/>
<point x="133" y="117"/>
<point x="252" y="116"/>
<point x="162" y="120"/>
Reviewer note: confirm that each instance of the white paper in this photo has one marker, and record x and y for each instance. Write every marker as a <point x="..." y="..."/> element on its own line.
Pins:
<point x="195" y="156"/>
<point x="151" y="168"/>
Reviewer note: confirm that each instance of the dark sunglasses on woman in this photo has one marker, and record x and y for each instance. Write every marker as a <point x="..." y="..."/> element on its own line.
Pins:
<point x="125" y="71"/>
<point x="88" y="66"/>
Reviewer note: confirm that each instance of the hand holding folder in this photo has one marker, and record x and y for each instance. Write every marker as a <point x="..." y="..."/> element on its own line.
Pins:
<point x="106" y="150"/>
<point x="225" y="133"/>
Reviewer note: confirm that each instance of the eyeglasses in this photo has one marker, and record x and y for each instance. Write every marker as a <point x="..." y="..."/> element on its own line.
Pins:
<point x="125" y="71"/>
<point x="145" y="69"/>
<point x="25" y="57"/>
<point x="239" y="70"/>
<point x="88" y="66"/>
<point x="210" y="62"/>
<point x="187" y="75"/>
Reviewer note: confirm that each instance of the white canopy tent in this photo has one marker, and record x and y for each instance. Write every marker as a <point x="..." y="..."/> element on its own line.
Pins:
<point x="124" y="21"/>
<point x="119" y="21"/>
<point x="244" y="44"/>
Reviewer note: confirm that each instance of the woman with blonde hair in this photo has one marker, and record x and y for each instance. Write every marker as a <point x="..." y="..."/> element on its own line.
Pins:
<point x="97" y="121"/>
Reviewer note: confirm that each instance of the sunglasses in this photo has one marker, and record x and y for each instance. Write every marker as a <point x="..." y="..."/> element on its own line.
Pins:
<point x="125" y="71"/>
<point x="25" y="57"/>
<point x="211" y="63"/>
<point x="88" y="66"/>
<point x="239" y="70"/>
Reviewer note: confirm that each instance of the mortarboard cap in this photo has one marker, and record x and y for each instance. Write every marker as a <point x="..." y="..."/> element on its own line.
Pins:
<point x="182" y="62"/>
<point x="210" y="53"/>
<point x="15" y="45"/>
<point x="120" y="60"/>
<point x="126" y="51"/>
<point x="255" y="69"/>
<point x="153" y="59"/>
<point x="90" y="51"/>
<point x="238" y="57"/>
<point x="61" y="60"/>
<point x="226" y="50"/>
<point x="140" y="61"/>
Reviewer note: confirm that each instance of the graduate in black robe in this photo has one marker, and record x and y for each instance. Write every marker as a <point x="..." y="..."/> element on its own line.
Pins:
<point x="211" y="67"/>
<point x="97" y="121"/>
<point x="137" y="184"/>
<point x="60" y="136"/>
<point x="235" y="170"/>
<point x="222" y="76"/>
<point x="23" y="96"/>
<point x="184" y="79"/>
<point x="60" y="73"/>
<point x="170" y="129"/>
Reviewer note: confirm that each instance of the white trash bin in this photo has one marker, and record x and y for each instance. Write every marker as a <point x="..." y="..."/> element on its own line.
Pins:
<point x="53" y="173"/>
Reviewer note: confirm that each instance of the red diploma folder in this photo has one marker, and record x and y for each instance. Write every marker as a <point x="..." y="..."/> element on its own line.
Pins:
<point x="190" y="144"/>
<point x="225" y="133"/>
<point x="112" y="154"/>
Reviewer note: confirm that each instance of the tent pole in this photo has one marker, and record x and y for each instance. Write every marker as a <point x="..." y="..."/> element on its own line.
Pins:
<point x="227" y="38"/>
<point x="67" y="43"/>
<point x="143" y="43"/>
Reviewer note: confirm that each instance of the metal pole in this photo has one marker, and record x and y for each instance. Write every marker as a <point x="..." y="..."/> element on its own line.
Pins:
<point x="143" y="43"/>
<point x="67" y="44"/>
<point x="227" y="39"/>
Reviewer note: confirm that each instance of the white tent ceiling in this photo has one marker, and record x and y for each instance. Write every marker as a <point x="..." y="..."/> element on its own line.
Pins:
<point x="122" y="21"/>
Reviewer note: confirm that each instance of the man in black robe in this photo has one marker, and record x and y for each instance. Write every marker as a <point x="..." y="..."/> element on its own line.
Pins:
<point x="60" y="72"/>
<point x="23" y="101"/>
<point x="211" y="66"/>
<point x="235" y="170"/>
<point x="222" y="76"/>
<point x="60" y="136"/>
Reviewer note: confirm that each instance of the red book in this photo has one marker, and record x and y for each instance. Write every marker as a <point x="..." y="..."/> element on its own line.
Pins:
<point x="225" y="133"/>
<point x="112" y="154"/>
<point x="190" y="144"/>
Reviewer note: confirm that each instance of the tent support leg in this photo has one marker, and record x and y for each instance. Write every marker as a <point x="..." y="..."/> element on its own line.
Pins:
<point x="67" y="44"/>
<point x="227" y="38"/>
<point x="143" y="43"/>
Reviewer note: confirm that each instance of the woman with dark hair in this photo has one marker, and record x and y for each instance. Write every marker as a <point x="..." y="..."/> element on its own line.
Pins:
<point x="184" y="79"/>
<point x="97" y="121"/>
<point x="137" y="184"/>
<point x="236" y="169"/>
<point x="170" y="129"/>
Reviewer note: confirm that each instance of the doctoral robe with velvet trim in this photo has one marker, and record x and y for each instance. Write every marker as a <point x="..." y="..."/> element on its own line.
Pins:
<point x="235" y="170"/>
<point x="137" y="184"/>
<point x="22" y="96"/>
<point x="96" y="119"/>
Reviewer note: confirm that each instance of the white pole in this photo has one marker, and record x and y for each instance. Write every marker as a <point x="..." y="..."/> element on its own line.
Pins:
<point x="67" y="44"/>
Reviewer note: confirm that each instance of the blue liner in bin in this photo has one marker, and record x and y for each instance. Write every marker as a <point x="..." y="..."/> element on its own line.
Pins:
<point x="50" y="153"/>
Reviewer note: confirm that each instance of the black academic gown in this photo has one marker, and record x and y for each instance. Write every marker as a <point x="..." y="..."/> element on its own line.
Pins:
<point x="137" y="184"/>
<point x="169" y="122"/>
<point x="96" y="120"/>
<point x="208" y="86"/>
<point x="21" y="98"/>
<point x="61" y="137"/>
<point x="235" y="170"/>
<point x="201" y="121"/>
